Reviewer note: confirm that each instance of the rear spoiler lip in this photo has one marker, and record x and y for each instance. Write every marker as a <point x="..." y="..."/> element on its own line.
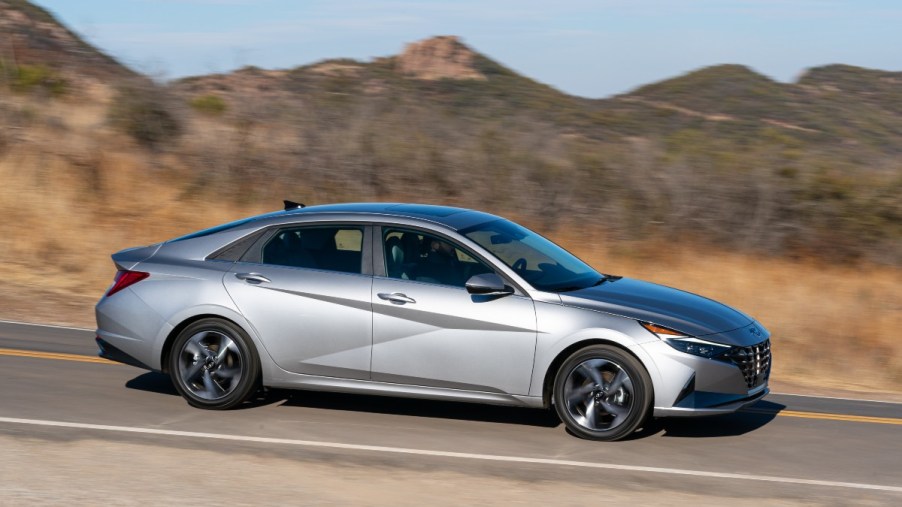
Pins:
<point x="130" y="257"/>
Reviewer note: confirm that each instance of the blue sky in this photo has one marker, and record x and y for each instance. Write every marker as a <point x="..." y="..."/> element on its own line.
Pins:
<point x="592" y="48"/>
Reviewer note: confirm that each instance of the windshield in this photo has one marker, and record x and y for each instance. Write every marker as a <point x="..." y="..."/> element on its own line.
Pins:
<point x="540" y="262"/>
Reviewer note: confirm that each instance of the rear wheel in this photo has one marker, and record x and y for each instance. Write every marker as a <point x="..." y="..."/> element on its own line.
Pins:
<point x="602" y="393"/>
<point x="214" y="365"/>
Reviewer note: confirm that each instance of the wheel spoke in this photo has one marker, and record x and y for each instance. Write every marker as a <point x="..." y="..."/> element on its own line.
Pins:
<point x="590" y="413"/>
<point x="577" y="395"/>
<point x="228" y="373"/>
<point x="194" y="347"/>
<point x="225" y="344"/>
<point x="190" y="373"/>
<point x="614" y="409"/>
<point x="621" y="380"/>
<point x="210" y="386"/>
<point x="591" y="371"/>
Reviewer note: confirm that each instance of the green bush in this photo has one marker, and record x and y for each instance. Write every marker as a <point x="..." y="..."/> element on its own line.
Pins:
<point x="26" y="78"/>
<point x="146" y="113"/>
<point x="209" y="104"/>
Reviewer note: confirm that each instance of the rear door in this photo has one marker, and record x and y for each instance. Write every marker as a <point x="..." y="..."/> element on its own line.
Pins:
<point x="306" y="291"/>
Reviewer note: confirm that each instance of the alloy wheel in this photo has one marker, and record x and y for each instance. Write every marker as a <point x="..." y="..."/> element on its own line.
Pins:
<point x="210" y="365"/>
<point x="598" y="394"/>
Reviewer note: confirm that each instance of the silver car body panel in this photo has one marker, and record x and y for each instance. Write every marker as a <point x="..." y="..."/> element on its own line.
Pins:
<point x="449" y="338"/>
<point x="332" y="331"/>
<point x="314" y="322"/>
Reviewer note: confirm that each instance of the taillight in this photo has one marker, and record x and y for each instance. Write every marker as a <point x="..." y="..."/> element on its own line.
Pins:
<point x="124" y="279"/>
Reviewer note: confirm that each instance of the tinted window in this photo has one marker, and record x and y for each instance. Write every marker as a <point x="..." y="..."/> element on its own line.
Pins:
<point x="539" y="261"/>
<point x="329" y="248"/>
<point x="414" y="255"/>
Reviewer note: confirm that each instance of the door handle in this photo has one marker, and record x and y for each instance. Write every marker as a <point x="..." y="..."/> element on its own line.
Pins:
<point x="254" y="278"/>
<point x="396" y="297"/>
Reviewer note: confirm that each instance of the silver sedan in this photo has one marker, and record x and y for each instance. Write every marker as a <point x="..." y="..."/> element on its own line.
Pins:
<point x="429" y="302"/>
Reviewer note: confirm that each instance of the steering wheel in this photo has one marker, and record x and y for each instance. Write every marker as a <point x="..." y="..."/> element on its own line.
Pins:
<point x="519" y="265"/>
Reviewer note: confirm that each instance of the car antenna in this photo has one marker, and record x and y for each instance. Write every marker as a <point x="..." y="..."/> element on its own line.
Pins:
<point x="293" y="205"/>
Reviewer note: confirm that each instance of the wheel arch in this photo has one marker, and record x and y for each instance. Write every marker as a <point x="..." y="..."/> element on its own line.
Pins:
<point x="209" y="313"/>
<point x="555" y="365"/>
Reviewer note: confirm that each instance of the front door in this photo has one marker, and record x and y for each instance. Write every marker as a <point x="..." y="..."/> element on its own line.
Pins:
<point x="429" y="331"/>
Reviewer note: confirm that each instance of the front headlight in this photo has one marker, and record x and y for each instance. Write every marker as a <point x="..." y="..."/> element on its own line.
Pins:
<point x="686" y="343"/>
<point x="697" y="347"/>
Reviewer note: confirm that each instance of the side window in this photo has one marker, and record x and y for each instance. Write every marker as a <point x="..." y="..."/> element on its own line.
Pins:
<point x="330" y="248"/>
<point x="414" y="255"/>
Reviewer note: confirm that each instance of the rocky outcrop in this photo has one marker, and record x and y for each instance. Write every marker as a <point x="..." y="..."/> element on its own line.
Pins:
<point x="442" y="57"/>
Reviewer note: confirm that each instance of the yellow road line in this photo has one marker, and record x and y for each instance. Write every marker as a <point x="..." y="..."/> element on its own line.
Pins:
<point x="54" y="355"/>
<point x="826" y="416"/>
<point x="841" y="417"/>
<point x="783" y="413"/>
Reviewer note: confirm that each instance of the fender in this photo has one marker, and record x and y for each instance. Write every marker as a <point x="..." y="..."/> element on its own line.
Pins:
<point x="266" y="363"/>
<point x="560" y="328"/>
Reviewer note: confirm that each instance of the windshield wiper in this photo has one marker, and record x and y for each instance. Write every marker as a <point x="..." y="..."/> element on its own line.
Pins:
<point x="606" y="278"/>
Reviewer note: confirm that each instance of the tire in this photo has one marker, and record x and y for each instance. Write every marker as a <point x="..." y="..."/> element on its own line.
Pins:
<point x="205" y="376"/>
<point x="602" y="393"/>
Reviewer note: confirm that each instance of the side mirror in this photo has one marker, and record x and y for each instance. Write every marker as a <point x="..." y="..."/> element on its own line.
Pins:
<point x="488" y="284"/>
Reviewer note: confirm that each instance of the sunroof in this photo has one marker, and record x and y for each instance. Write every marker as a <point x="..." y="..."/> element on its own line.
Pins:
<point x="425" y="209"/>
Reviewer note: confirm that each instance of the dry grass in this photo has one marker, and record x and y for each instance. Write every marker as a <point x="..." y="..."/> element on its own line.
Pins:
<point x="66" y="206"/>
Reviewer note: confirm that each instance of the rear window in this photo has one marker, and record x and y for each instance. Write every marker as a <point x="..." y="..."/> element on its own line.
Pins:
<point x="224" y="227"/>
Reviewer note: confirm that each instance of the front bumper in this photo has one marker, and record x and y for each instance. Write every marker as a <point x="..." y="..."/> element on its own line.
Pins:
<point x="690" y="386"/>
<point x="700" y="403"/>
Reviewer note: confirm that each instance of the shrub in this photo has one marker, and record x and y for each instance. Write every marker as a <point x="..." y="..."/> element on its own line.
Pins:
<point x="27" y="78"/>
<point x="209" y="104"/>
<point x="146" y="113"/>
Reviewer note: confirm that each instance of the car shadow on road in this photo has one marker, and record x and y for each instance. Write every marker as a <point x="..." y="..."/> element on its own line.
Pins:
<point x="152" y="382"/>
<point x="729" y="425"/>
<point x="420" y="408"/>
<point x="739" y="423"/>
<point x="159" y="383"/>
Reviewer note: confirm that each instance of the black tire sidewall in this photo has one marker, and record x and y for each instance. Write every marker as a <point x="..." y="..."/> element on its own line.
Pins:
<point x="642" y="391"/>
<point x="250" y="377"/>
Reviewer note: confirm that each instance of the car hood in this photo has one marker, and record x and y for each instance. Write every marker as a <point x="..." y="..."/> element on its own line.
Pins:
<point x="665" y="306"/>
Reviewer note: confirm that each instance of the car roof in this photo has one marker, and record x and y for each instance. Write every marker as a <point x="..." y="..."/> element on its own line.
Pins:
<point x="451" y="217"/>
<point x="205" y="241"/>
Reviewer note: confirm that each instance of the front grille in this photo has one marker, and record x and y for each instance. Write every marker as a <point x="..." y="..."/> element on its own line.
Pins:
<point x="754" y="361"/>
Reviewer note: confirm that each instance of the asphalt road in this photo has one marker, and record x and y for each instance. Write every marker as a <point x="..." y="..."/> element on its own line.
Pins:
<point x="786" y="449"/>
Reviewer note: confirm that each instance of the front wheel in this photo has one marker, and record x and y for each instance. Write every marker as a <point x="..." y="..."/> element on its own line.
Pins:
<point x="602" y="393"/>
<point x="214" y="365"/>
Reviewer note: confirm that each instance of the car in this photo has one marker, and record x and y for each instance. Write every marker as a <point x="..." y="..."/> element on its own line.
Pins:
<point x="424" y="301"/>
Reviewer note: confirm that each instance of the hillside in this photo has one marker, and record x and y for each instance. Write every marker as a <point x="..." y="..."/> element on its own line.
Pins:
<point x="33" y="37"/>
<point x="801" y="167"/>
<point x="828" y="105"/>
